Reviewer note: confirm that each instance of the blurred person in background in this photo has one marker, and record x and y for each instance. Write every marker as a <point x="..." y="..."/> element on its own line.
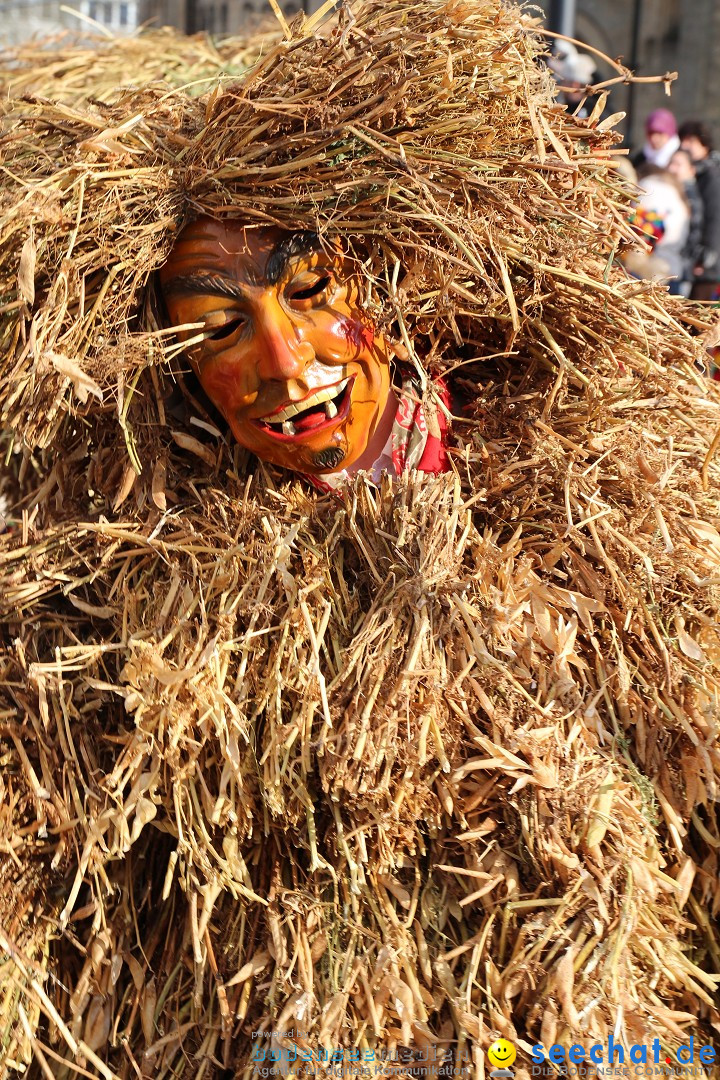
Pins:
<point x="662" y="218"/>
<point x="662" y="195"/>
<point x="682" y="168"/>
<point x="574" y="72"/>
<point x="695" y="137"/>
<point x="661" y="140"/>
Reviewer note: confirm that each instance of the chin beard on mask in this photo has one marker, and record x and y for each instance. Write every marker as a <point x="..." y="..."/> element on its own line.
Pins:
<point x="329" y="458"/>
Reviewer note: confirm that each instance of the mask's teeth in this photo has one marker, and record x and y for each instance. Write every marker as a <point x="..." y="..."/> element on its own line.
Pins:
<point x="288" y="427"/>
<point x="330" y="409"/>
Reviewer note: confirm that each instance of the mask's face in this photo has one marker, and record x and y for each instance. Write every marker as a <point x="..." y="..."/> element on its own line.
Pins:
<point x="287" y="356"/>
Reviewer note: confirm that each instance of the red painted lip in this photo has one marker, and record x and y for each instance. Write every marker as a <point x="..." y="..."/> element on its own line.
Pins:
<point x="299" y="401"/>
<point x="303" y="436"/>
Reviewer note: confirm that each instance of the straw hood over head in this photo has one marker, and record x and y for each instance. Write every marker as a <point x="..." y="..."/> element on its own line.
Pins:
<point x="443" y="163"/>
<point x="411" y="767"/>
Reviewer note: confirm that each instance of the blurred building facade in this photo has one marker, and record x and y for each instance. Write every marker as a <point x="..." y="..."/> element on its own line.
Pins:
<point x="23" y="19"/>
<point x="217" y="16"/>
<point x="674" y="35"/>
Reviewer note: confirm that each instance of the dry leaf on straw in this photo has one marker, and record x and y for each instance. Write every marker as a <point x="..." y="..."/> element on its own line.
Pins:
<point x="83" y="384"/>
<point x="26" y="271"/>
<point x="600" y="814"/>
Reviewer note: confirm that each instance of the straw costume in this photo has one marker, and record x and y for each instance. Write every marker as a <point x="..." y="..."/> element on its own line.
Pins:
<point x="418" y="766"/>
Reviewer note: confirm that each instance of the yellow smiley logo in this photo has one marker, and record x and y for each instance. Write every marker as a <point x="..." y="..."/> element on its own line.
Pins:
<point x="501" y="1053"/>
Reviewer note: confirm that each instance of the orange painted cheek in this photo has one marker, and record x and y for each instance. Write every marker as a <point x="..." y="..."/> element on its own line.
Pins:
<point x="358" y="335"/>
<point x="228" y="383"/>
<point x="337" y="338"/>
<point x="247" y="436"/>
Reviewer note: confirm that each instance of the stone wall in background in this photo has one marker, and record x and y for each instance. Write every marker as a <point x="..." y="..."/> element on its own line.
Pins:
<point x="219" y="17"/>
<point x="676" y="35"/>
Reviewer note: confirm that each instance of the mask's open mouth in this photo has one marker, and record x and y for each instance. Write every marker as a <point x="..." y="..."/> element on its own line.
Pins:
<point x="324" y="408"/>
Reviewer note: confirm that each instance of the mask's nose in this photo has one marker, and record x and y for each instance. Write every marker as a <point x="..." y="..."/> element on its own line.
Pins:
<point x="281" y="352"/>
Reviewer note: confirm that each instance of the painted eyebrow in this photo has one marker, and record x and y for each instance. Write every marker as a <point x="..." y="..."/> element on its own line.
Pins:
<point x="286" y="249"/>
<point x="207" y="284"/>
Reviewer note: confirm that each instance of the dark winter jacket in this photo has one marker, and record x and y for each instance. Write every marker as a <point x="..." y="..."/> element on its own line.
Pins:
<point x="692" y="251"/>
<point x="708" y="182"/>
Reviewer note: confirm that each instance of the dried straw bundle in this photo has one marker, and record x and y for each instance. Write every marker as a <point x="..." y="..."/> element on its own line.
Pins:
<point x="418" y="766"/>
<point x="65" y="69"/>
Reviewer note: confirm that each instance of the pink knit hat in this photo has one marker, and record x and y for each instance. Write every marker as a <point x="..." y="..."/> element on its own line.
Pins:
<point x="661" y="121"/>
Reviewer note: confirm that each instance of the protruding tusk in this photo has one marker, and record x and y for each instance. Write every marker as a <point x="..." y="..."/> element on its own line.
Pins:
<point x="330" y="409"/>
<point x="288" y="427"/>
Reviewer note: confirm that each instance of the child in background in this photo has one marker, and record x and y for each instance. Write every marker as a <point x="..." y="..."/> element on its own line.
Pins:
<point x="662" y="218"/>
<point x="662" y="195"/>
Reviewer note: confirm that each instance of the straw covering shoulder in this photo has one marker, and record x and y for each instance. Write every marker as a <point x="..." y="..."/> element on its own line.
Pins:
<point x="413" y="767"/>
